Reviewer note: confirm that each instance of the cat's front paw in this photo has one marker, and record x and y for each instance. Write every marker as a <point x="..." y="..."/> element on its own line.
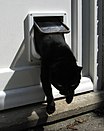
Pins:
<point x="69" y="97"/>
<point x="50" y="107"/>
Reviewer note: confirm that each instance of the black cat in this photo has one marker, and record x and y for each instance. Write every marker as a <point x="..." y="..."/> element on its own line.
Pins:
<point x="58" y="67"/>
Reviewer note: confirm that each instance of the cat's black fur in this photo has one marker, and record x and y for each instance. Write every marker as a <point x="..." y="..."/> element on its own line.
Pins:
<point x="58" y="67"/>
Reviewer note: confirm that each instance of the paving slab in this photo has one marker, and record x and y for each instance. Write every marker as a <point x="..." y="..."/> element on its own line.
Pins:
<point x="90" y="121"/>
<point x="32" y="115"/>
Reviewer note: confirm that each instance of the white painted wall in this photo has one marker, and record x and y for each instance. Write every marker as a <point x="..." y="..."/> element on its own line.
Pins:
<point x="19" y="79"/>
<point x="12" y="16"/>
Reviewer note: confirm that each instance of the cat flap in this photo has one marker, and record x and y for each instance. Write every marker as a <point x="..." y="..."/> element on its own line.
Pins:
<point x="49" y="26"/>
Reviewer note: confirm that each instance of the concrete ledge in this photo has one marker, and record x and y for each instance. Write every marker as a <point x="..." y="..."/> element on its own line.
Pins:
<point x="32" y="115"/>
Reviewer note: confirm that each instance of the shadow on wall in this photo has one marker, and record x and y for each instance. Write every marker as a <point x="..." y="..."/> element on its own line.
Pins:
<point x="100" y="45"/>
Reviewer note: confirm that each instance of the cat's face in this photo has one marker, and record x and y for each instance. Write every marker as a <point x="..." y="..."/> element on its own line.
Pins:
<point x="69" y="82"/>
<point x="70" y="78"/>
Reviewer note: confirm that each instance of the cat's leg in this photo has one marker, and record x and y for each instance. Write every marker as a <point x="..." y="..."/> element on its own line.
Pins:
<point x="69" y="96"/>
<point x="47" y="89"/>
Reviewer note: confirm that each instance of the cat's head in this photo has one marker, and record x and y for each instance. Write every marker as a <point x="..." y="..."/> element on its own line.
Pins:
<point x="70" y="80"/>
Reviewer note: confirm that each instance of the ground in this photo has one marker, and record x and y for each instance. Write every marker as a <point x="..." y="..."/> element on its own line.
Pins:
<point x="90" y="121"/>
<point x="67" y="117"/>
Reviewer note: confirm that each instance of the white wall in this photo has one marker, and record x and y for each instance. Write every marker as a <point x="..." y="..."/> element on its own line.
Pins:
<point x="12" y="16"/>
<point x="17" y="75"/>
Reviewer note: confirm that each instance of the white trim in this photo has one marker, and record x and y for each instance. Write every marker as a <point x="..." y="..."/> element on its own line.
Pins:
<point x="79" y="34"/>
<point x="17" y="87"/>
<point x="93" y="40"/>
<point x="21" y="96"/>
<point x="77" y="29"/>
<point x="95" y="43"/>
<point x="86" y="83"/>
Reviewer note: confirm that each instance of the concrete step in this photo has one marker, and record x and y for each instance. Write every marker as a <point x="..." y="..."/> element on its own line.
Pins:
<point x="32" y="115"/>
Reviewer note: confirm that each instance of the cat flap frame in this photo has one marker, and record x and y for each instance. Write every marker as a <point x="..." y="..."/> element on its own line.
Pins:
<point x="50" y="25"/>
